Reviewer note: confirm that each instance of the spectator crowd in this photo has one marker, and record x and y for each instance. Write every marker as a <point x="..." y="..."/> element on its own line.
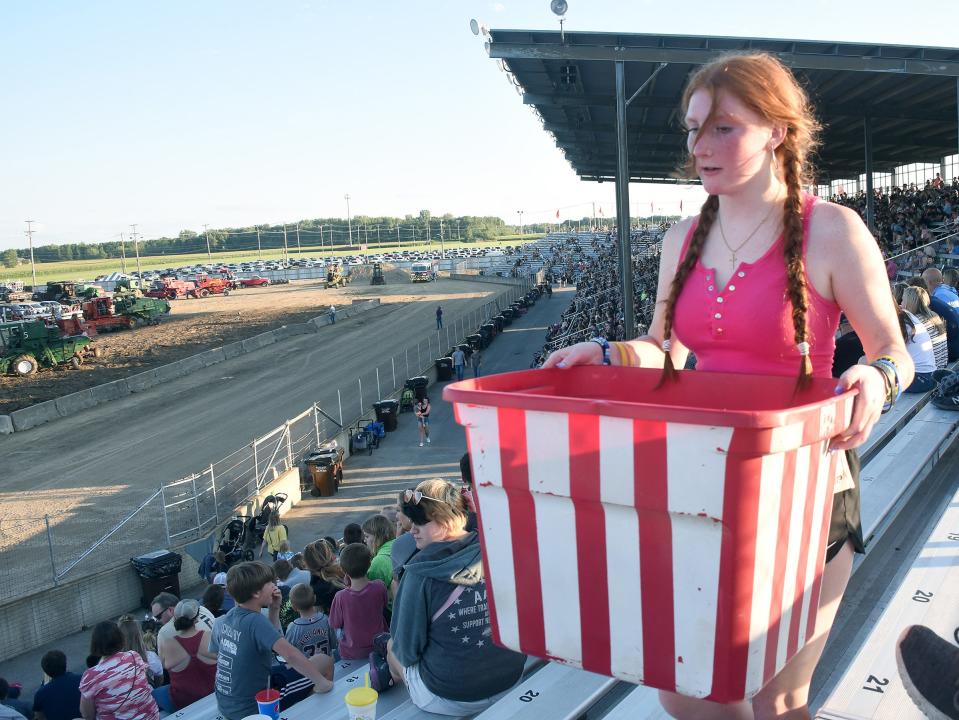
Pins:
<point x="404" y="592"/>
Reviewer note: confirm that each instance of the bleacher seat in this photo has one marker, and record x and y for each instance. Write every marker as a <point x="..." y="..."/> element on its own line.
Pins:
<point x="928" y="595"/>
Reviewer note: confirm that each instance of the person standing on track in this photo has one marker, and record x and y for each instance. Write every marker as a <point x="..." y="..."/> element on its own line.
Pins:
<point x="761" y="242"/>
<point x="422" y="411"/>
<point x="459" y="362"/>
<point x="439" y="317"/>
<point x="332" y="314"/>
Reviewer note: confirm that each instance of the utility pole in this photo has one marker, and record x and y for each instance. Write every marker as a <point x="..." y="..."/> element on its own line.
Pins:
<point x="298" y="251"/>
<point x="349" y="221"/>
<point x="429" y="240"/>
<point x="520" y="213"/>
<point x="136" y="249"/>
<point x="442" y="247"/>
<point x="259" y="248"/>
<point x="457" y="229"/>
<point x="286" y="249"/>
<point x="397" y="235"/>
<point x="377" y="236"/>
<point x="206" y="234"/>
<point x="123" y="256"/>
<point x="33" y="266"/>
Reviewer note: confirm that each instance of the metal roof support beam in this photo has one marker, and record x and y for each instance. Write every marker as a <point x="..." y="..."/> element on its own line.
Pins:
<point x="622" y="203"/>
<point x="645" y="84"/>
<point x="870" y="200"/>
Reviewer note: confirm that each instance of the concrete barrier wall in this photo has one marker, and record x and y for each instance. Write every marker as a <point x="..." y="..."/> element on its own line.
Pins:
<point x="31" y="622"/>
<point x="68" y="405"/>
<point x="488" y="279"/>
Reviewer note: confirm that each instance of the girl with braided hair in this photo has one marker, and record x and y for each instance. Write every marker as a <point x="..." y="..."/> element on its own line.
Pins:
<point x="756" y="284"/>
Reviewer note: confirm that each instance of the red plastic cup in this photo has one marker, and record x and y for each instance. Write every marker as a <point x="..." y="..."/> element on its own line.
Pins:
<point x="268" y="703"/>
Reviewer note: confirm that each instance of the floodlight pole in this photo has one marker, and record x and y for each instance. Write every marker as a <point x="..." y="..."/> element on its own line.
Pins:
<point x="520" y="213"/>
<point x="136" y="249"/>
<point x="123" y="256"/>
<point x="206" y="234"/>
<point x="259" y="247"/>
<point x="622" y="203"/>
<point x="33" y="266"/>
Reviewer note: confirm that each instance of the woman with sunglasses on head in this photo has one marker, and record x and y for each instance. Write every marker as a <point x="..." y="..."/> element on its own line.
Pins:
<point x="187" y="657"/>
<point x="441" y="643"/>
<point x="756" y="284"/>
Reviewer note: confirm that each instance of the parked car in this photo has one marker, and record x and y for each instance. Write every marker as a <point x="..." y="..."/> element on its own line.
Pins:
<point x="255" y="281"/>
<point x="10" y="312"/>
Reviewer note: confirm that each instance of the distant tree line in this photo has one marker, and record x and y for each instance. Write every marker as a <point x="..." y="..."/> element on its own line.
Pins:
<point x="335" y="233"/>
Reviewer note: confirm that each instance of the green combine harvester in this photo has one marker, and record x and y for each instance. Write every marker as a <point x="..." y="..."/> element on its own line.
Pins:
<point x="25" y="347"/>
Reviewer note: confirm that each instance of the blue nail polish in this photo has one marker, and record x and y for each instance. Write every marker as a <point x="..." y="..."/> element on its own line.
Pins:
<point x="838" y="390"/>
<point x="561" y="365"/>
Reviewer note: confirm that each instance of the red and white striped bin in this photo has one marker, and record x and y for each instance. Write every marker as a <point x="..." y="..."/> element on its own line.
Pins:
<point x="671" y="537"/>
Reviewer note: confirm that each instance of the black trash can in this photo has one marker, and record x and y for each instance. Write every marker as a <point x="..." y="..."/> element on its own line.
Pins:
<point x="488" y="331"/>
<point x="508" y="315"/>
<point x="500" y="322"/>
<point x="387" y="412"/>
<point x="444" y="368"/>
<point x="159" y="571"/>
<point x="418" y="386"/>
<point x="475" y="341"/>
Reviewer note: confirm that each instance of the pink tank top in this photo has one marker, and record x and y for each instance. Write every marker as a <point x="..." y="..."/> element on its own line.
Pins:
<point x="746" y="326"/>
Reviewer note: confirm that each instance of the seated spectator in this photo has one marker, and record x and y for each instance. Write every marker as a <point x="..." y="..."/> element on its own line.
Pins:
<point x="915" y="301"/>
<point x="298" y="562"/>
<point x="228" y="602"/>
<point x="848" y="348"/>
<point x="59" y="696"/>
<point x="186" y="656"/>
<point x="950" y="278"/>
<point x="427" y="650"/>
<point x="310" y="632"/>
<point x="133" y="640"/>
<point x="212" y="600"/>
<point x="390" y="512"/>
<point x="162" y="610"/>
<point x="11" y="708"/>
<point x="352" y="533"/>
<point x="285" y="553"/>
<point x="379" y="534"/>
<point x="287" y="576"/>
<point x="245" y="640"/>
<point x="334" y="546"/>
<point x="116" y="688"/>
<point x="358" y="610"/>
<point x="326" y="575"/>
<point x="404" y="547"/>
<point x="212" y="564"/>
<point x="941" y="303"/>
<point x="919" y="345"/>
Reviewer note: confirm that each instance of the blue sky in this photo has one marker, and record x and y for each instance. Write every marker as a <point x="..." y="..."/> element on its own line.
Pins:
<point x="174" y="114"/>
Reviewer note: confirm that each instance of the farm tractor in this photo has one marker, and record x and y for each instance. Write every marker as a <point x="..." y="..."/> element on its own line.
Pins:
<point x="377" y="277"/>
<point x="124" y="310"/>
<point x="25" y="347"/>
<point x="12" y="292"/>
<point x="206" y="286"/>
<point x="170" y="288"/>
<point x="335" y="277"/>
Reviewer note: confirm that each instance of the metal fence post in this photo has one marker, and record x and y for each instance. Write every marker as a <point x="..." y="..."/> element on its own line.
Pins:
<point x="419" y="363"/>
<point x="393" y="367"/>
<point x="196" y="503"/>
<point x="339" y="402"/>
<point x="166" y="520"/>
<point x="53" y="563"/>
<point x="379" y="394"/>
<point x="316" y="424"/>
<point x="289" y="447"/>
<point x="216" y="508"/>
<point x="256" y="466"/>
<point x="448" y="332"/>
<point x="360" y="381"/>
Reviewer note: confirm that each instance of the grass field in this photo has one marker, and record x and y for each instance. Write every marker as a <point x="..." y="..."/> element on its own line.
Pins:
<point x="89" y="269"/>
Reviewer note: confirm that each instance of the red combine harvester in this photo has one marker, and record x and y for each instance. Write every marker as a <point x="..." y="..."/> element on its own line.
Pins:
<point x="206" y="286"/>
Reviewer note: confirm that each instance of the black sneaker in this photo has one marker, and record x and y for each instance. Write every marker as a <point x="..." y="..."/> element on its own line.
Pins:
<point x="380" y="677"/>
<point x="929" y="668"/>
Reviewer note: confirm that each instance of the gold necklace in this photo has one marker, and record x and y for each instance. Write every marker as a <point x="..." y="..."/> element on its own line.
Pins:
<point x="722" y="233"/>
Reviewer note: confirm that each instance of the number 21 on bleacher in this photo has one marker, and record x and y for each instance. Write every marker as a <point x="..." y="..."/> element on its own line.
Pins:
<point x="874" y="684"/>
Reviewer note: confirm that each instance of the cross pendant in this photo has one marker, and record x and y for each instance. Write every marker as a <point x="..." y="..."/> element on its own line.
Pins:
<point x="732" y="258"/>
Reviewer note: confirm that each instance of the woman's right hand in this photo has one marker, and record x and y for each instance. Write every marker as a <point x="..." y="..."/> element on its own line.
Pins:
<point x="584" y="353"/>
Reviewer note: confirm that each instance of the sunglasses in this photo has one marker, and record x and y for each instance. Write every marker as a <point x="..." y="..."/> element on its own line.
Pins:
<point x="414" y="497"/>
<point x="414" y="510"/>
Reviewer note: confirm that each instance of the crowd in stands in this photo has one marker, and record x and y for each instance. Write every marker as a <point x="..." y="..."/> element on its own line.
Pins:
<point x="905" y="219"/>
<point x="404" y="591"/>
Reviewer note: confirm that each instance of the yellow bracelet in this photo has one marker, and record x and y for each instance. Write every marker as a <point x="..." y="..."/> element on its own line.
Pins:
<point x="622" y="353"/>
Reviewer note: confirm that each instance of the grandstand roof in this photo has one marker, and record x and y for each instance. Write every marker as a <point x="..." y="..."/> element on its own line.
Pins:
<point x="909" y="94"/>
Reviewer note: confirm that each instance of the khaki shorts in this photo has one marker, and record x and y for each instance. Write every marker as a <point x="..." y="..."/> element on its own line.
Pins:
<point x="425" y="700"/>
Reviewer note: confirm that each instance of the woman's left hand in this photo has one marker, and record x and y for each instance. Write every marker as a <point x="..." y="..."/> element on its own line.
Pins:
<point x="867" y="407"/>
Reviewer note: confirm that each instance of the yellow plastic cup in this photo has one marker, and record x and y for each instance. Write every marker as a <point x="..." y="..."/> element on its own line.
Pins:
<point x="361" y="703"/>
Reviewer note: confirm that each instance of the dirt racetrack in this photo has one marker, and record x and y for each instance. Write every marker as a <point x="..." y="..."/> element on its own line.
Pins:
<point x="197" y="325"/>
<point x="89" y="471"/>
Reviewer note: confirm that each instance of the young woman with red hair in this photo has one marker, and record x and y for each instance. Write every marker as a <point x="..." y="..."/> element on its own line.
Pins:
<point x="756" y="284"/>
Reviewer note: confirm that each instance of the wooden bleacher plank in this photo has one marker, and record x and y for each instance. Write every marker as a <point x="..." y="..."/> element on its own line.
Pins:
<point x="547" y="694"/>
<point x="928" y="595"/>
<point x="903" y="462"/>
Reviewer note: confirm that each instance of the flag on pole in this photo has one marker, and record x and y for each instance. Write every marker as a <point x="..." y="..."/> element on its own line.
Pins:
<point x="557" y="214"/>
<point x="601" y="212"/>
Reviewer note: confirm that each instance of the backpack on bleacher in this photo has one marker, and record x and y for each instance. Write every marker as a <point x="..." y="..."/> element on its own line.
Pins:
<point x="946" y="394"/>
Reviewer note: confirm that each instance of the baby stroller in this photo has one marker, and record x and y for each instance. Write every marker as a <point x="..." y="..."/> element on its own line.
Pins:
<point x="406" y="400"/>
<point x="233" y="540"/>
<point x="362" y="438"/>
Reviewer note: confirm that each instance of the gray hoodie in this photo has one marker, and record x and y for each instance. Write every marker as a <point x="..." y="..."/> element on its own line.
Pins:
<point x="455" y="652"/>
